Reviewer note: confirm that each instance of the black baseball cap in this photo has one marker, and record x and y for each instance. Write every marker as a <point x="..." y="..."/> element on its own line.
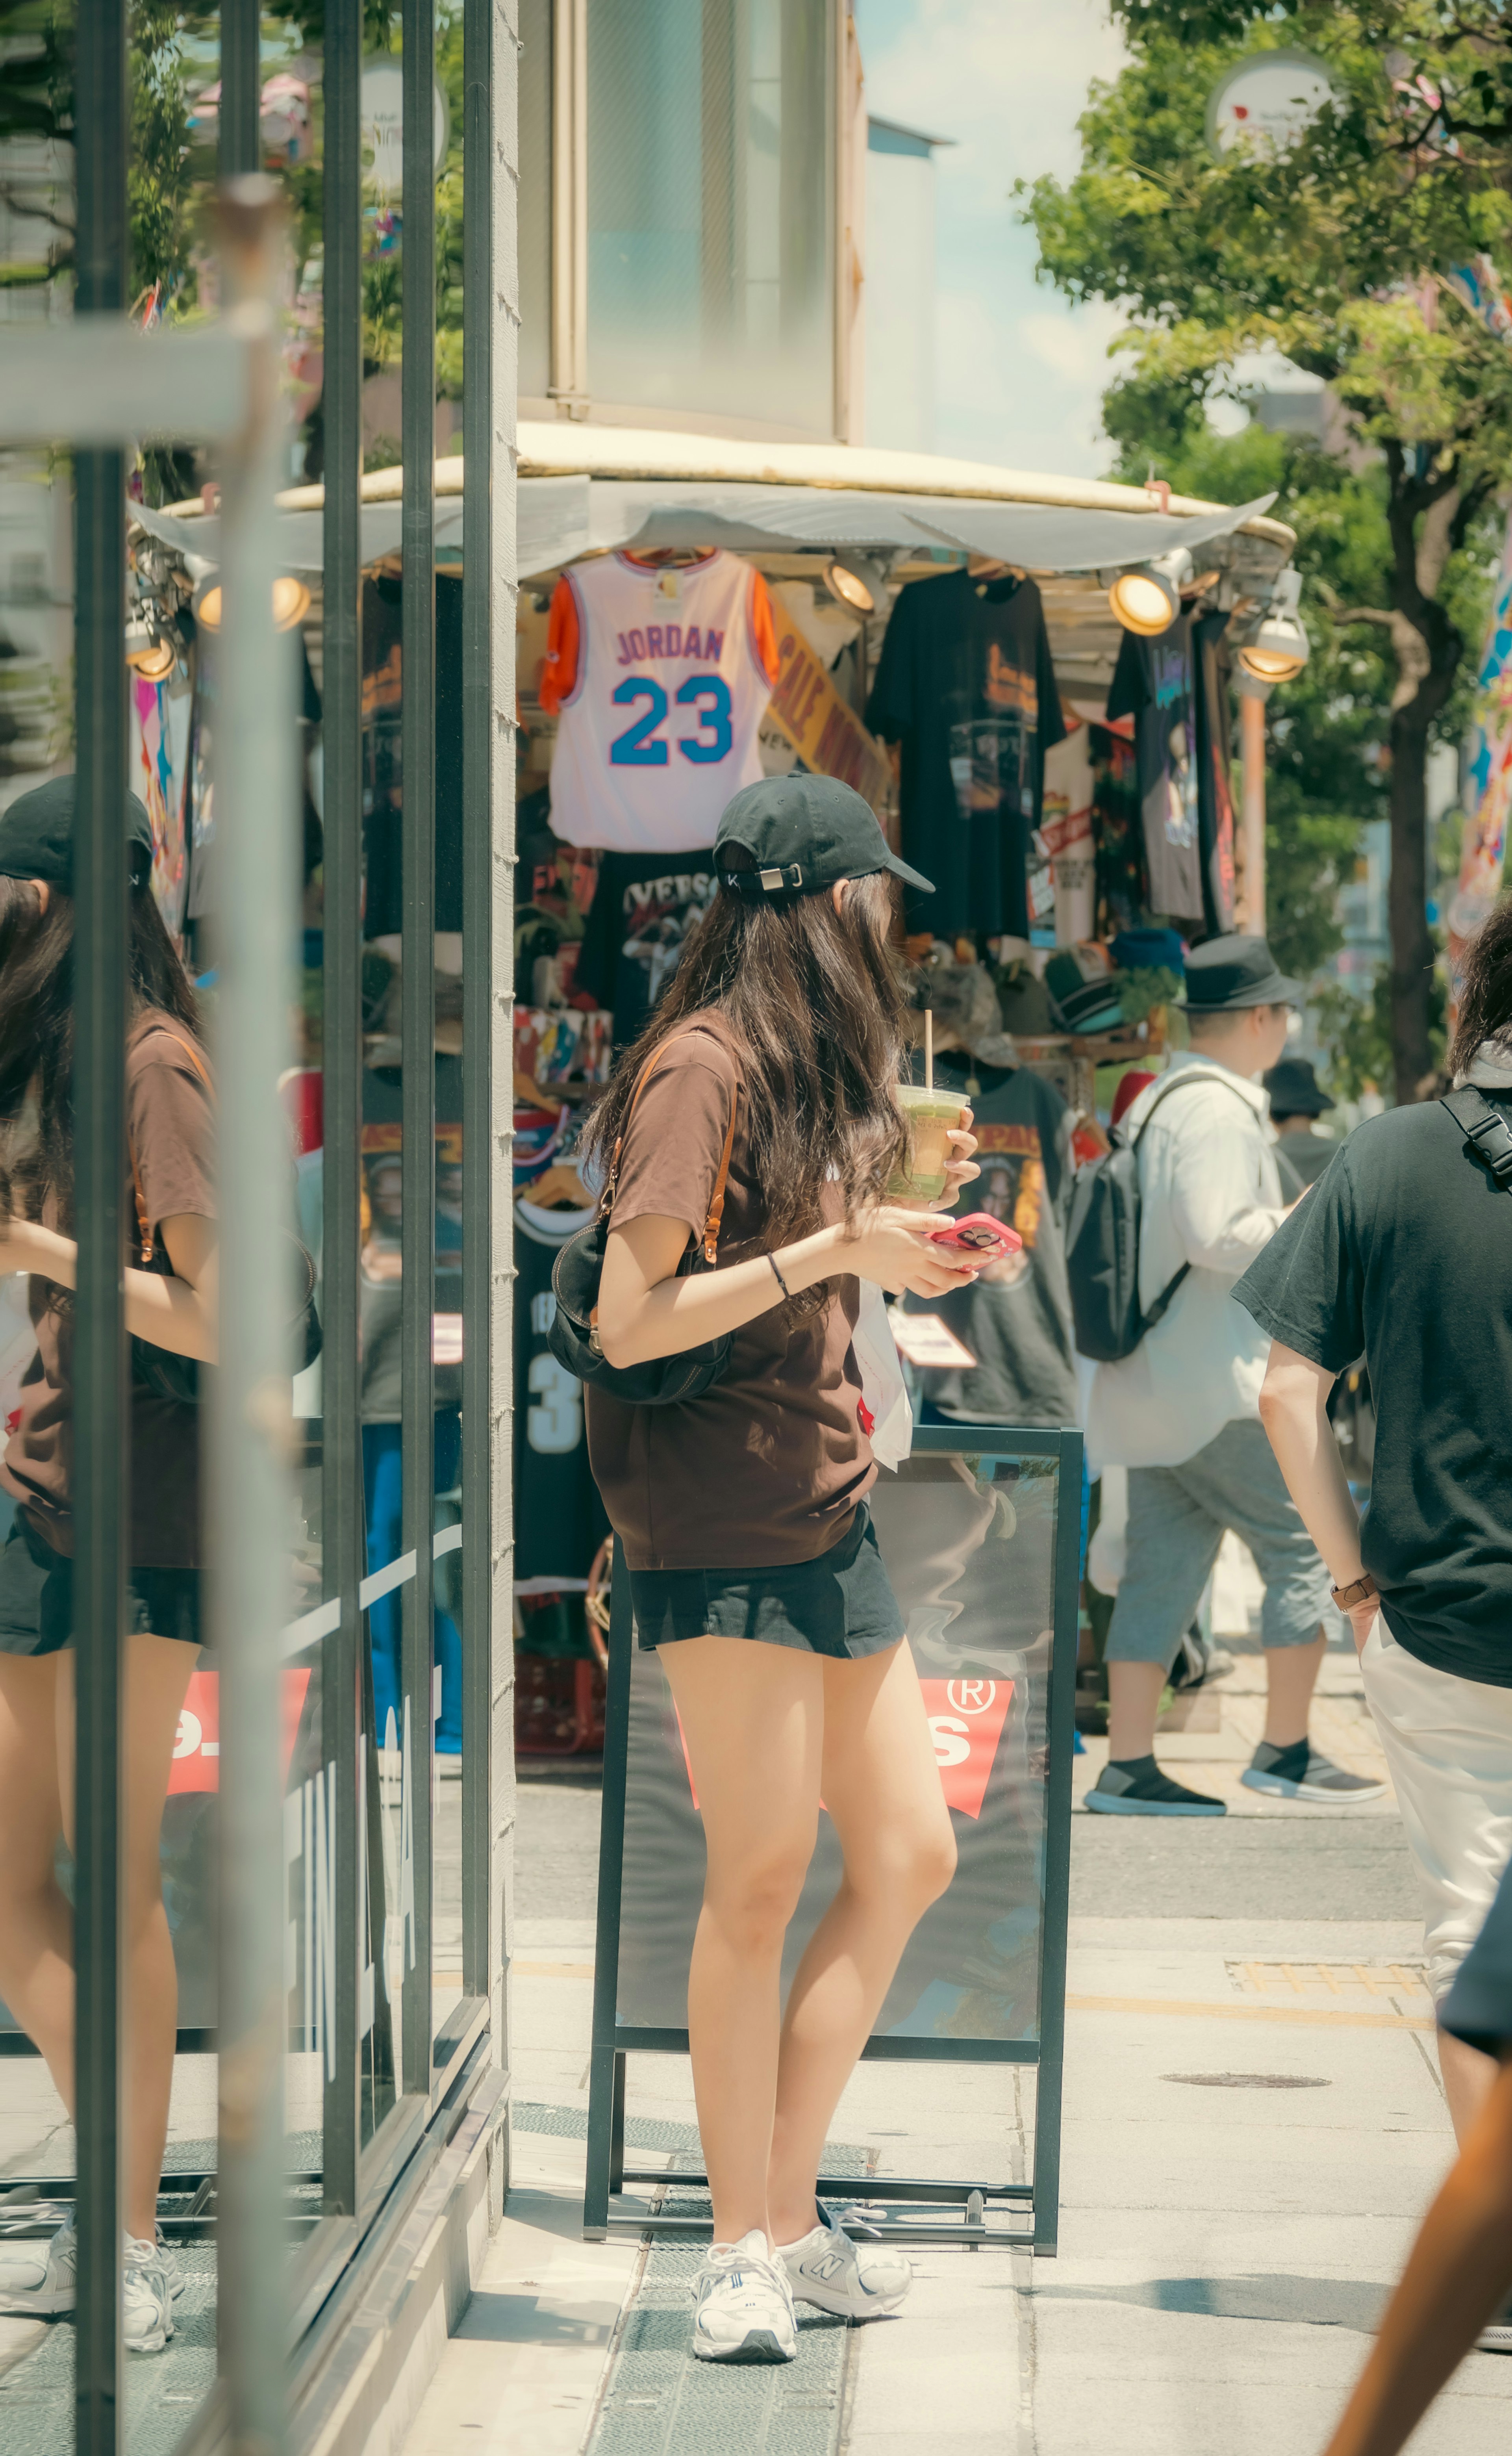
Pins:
<point x="36" y="833"/>
<point x="803" y="832"/>
<point x="1227" y="974"/>
<point x="1294" y="1089"/>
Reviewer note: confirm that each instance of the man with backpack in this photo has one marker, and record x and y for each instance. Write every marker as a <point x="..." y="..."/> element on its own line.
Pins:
<point x="1190" y="1197"/>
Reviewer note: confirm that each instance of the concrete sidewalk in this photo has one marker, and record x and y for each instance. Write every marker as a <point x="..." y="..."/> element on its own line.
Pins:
<point x="1254" y="2126"/>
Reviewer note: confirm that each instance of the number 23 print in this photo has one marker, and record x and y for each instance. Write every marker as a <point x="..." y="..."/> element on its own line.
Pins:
<point x="642" y="744"/>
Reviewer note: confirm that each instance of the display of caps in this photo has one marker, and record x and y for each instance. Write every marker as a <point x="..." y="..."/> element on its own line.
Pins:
<point x="538" y="1136"/>
<point x="1148" y="950"/>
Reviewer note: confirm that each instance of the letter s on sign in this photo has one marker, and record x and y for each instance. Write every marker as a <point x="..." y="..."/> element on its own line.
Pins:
<point x="952" y="1744"/>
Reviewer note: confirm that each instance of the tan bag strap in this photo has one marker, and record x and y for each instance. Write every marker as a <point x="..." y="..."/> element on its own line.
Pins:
<point x="144" y="1232"/>
<point x="716" y="1208"/>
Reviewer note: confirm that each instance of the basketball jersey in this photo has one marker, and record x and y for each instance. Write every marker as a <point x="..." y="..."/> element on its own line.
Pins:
<point x="560" y="1520"/>
<point x="658" y="729"/>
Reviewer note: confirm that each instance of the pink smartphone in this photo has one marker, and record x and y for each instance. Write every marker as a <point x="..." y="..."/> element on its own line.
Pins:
<point x="978" y="1239"/>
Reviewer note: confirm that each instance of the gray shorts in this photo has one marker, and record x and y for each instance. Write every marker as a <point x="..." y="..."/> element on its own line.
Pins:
<point x="1176" y="1521"/>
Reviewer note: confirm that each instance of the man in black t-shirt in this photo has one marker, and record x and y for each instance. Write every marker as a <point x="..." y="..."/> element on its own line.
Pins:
<point x="1403" y="1250"/>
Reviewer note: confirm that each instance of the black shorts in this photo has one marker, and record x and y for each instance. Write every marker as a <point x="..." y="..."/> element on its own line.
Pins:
<point x="840" y="1606"/>
<point x="36" y="1598"/>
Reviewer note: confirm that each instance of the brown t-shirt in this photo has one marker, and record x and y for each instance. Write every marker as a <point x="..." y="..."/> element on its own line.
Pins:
<point x="767" y="1468"/>
<point x="171" y="1131"/>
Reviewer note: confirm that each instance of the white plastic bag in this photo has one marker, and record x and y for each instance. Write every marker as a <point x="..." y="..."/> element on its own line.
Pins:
<point x="884" y="1393"/>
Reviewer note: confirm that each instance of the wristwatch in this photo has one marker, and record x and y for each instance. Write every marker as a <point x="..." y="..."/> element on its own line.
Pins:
<point x="1360" y="1592"/>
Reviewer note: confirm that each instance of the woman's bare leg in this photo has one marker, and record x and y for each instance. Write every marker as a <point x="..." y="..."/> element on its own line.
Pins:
<point x="1459" y="2270"/>
<point x="155" y="1678"/>
<point x="753" y="1716"/>
<point x="36" y="1927"/>
<point x="881" y="1784"/>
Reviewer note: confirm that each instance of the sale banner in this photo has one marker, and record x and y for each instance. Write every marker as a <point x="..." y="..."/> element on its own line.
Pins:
<point x="196" y="1747"/>
<point x="828" y="736"/>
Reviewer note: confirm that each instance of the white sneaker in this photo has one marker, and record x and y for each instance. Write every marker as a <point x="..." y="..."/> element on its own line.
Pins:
<point x="147" y="2298"/>
<point x="744" y="2307"/>
<point x="177" y="2279"/>
<point x="37" y="2277"/>
<point x="827" y="2267"/>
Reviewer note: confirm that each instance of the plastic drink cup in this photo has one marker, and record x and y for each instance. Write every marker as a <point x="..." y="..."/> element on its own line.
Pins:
<point x="932" y="1116"/>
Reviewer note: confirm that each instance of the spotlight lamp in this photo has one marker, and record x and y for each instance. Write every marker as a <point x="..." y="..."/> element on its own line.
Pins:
<point x="858" y="581"/>
<point x="1276" y="648"/>
<point x="1148" y="599"/>
<point x="291" y="603"/>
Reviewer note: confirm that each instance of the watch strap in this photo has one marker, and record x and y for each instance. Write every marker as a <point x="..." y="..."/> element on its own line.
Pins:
<point x="1359" y="1593"/>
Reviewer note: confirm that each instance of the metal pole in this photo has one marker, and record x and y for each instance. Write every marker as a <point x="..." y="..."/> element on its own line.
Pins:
<point x="1250" y="899"/>
<point x="418" y="1028"/>
<point x="251" y="1424"/>
<point x="343" y="1551"/>
<point x="101" y="1431"/>
<point x="240" y="88"/>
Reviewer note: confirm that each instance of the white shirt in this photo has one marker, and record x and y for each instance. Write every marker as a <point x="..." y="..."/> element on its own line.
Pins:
<point x="1210" y="1196"/>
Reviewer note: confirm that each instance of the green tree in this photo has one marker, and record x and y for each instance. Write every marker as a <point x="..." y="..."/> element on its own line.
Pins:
<point x="1333" y="251"/>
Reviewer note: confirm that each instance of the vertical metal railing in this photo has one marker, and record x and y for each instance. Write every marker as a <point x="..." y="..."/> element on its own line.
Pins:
<point x="249" y="1496"/>
<point x="240" y="148"/>
<point x="478" y="728"/>
<point x="343" y="1546"/>
<point x="417" y="551"/>
<point x="101" y="1461"/>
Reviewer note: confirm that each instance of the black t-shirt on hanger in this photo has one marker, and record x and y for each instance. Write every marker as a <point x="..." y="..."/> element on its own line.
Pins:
<point x="964" y="683"/>
<point x="644" y="908"/>
<point x="1152" y="683"/>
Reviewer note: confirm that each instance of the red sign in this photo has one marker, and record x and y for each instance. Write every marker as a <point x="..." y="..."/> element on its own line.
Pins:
<point x="196" y="1747"/>
<point x="965" y="1722"/>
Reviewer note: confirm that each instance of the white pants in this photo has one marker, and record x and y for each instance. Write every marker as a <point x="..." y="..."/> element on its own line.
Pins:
<point x="1448" y="1747"/>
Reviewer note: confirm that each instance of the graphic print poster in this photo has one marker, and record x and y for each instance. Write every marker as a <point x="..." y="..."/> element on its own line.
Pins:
<point x="970" y="1544"/>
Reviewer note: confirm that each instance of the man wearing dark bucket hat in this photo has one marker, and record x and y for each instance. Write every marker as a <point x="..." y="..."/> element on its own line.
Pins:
<point x="1296" y="1101"/>
<point x="1182" y="1411"/>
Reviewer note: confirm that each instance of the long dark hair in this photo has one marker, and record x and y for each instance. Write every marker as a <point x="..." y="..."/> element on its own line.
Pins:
<point x="1485" y="995"/>
<point x="36" y="1026"/>
<point x="812" y="1003"/>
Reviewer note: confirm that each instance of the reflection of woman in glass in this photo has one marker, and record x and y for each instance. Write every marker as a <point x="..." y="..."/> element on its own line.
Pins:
<point x="171" y="1304"/>
<point x="742" y="1519"/>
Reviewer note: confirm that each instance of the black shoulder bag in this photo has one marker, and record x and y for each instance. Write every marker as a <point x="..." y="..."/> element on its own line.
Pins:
<point x="573" y="1336"/>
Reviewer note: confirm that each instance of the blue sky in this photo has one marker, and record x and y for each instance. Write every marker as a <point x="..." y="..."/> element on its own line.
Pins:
<point x="1021" y="373"/>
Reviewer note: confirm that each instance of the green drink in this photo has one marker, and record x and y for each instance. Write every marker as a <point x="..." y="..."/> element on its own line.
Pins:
<point x="931" y="1117"/>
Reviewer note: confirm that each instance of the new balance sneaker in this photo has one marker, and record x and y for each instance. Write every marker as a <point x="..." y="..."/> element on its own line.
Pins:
<point x="1136" y="1786"/>
<point x="147" y="2298"/>
<point x="745" y="2305"/>
<point x="1300" y="1773"/>
<point x="831" y="2269"/>
<point x="177" y="2279"/>
<point x="37" y="2275"/>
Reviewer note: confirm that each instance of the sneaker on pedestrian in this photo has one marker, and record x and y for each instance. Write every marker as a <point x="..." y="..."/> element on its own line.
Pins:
<point x="1496" y="2337"/>
<point x="859" y="2280"/>
<point x="1300" y="1773"/>
<point x="37" y="2275"/>
<point x="177" y="2279"/>
<point x="1136" y="1786"/>
<point x="147" y="2298"/>
<point x="745" y="2305"/>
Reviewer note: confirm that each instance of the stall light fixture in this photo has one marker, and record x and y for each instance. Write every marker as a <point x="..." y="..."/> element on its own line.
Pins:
<point x="151" y="653"/>
<point x="1276" y="648"/>
<point x="290" y="604"/>
<point x="1147" y="600"/>
<point x="857" y="582"/>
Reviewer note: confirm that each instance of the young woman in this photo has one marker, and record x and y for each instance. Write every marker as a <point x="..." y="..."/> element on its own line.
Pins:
<point x="170" y="1207"/>
<point x="741" y="1518"/>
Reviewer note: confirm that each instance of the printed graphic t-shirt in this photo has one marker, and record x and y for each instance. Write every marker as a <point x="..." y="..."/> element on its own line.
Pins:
<point x="766" y="1467"/>
<point x="966" y="685"/>
<point x="1152" y="683"/>
<point x="1403" y="1250"/>
<point x="644" y="908"/>
<point x="170" y="1130"/>
<point x="659" y="677"/>
<point x="1015" y="1318"/>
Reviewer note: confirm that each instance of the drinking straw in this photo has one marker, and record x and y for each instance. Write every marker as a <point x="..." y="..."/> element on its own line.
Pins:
<point x="928" y="1049"/>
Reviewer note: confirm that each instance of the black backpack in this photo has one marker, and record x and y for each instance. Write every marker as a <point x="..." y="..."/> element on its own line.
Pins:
<point x="1102" y="1245"/>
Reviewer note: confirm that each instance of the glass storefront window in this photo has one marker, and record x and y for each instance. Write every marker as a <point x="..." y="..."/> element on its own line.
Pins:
<point x="710" y="208"/>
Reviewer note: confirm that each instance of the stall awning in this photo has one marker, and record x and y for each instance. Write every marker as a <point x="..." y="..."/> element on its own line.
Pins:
<point x="648" y="489"/>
